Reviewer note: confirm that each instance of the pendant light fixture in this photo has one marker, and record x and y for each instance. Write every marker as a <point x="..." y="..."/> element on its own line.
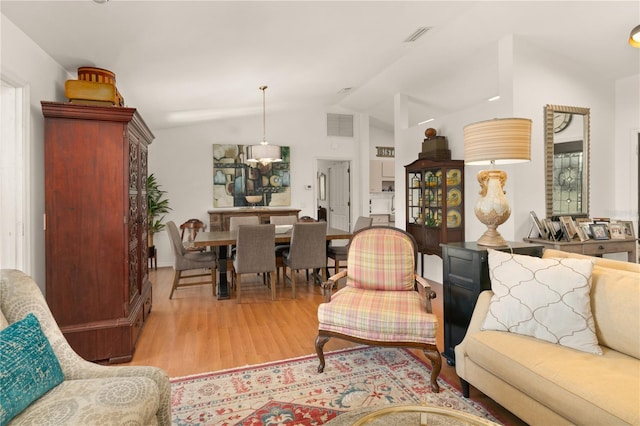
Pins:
<point x="634" y="37"/>
<point x="264" y="153"/>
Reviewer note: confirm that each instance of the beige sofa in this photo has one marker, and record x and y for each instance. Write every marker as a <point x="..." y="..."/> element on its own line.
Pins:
<point x="89" y="393"/>
<point x="548" y="384"/>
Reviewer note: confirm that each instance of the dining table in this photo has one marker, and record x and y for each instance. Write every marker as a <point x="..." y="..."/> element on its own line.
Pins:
<point x="221" y="240"/>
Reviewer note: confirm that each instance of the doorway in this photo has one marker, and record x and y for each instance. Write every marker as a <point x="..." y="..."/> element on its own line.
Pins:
<point x="337" y="200"/>
<point x="14" y="194"/>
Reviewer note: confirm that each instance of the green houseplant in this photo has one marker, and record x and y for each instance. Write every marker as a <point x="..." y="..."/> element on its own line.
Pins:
<point x="158" y="207"/>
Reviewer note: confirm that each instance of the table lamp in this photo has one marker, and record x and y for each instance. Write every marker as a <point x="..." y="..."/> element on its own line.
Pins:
<point x="497" y="141"/>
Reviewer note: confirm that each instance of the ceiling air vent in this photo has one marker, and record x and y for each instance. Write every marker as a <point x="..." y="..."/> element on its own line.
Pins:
<point x="340" y="125"/>
<point x="416" y="34"/>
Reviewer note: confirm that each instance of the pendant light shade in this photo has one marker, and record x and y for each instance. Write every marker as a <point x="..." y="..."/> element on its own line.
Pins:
<point x="634" y="37"/>
<point x="264" y="153"/>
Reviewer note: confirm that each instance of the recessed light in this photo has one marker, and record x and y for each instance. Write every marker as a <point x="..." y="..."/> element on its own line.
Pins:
<point x="495" y="98"/>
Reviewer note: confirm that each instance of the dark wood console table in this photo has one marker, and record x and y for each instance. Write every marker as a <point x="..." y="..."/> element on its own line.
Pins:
<point x="219" y="218"/>
<point x="592" y="247"/>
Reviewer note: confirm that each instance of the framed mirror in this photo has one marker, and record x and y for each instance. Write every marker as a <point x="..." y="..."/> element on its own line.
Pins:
<point x="567" y="134"/>
<point x="322" y="186"/>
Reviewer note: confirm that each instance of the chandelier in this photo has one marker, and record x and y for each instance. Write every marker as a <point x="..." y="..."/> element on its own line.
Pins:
<point x="264" y="153"/>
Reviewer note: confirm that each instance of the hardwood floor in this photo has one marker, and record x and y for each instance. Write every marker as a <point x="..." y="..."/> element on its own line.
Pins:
<point x="196" y="333"/>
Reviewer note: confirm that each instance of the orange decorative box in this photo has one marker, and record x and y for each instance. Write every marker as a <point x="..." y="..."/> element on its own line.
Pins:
<point x="78" y="91"/>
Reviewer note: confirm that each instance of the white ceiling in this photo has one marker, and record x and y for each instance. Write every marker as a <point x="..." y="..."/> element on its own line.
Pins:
<point x="181" y="62"/>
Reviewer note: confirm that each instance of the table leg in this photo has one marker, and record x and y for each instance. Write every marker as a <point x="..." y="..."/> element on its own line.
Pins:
<point x="223" y="285"/>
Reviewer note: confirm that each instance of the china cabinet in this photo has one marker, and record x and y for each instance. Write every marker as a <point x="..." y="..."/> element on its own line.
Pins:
<point x="435" y="203"/>
<point x="96" y="225"/>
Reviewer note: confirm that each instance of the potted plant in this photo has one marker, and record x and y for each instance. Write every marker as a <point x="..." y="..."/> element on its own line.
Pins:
<point x="158" y="207"/>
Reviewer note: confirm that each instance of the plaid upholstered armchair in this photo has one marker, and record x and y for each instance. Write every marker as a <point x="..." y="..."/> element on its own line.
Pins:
<point x="380" y="304"/>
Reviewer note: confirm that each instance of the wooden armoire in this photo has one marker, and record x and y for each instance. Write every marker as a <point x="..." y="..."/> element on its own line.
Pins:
<point x="96" y="226"/>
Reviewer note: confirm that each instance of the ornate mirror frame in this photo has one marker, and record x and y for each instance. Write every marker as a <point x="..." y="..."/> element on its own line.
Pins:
<point x="550" y="112"/>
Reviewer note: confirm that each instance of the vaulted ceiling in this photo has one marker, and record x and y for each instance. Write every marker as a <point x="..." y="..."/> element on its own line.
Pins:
<point x="182" y="62"/>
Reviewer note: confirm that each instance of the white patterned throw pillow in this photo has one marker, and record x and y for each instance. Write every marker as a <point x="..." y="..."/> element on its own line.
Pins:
<point x="543" y="298"/>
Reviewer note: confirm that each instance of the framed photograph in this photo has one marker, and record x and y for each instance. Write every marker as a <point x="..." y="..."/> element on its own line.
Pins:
<point x="568" y="227"/>
<point x="553" y="229"/>
<point x="582" y="236"/>
<point x="616" y="230"/>
<point x="586" y="230"/>
<point x="627" y="228"/>
<point x="537" y="225"/>
<point x="599" y="231"/>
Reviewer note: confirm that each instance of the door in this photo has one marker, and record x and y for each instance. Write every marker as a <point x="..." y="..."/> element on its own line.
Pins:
<point x="339" y="195"/>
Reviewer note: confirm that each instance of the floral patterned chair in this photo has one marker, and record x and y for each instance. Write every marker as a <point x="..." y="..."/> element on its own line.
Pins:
<point x="380" y="304"/>
<point x="79" y="392"/>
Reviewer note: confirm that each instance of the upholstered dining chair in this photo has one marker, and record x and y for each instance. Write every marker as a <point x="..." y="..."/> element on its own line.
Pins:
<point x="339" y="253"/>
<point x="234" y="223"/>
<point x="191" y="227"/>
<point x="187" y="261"/>
<point x="283" y="220"/>
<point x="281" y="248"/>
<point x="382" y="302"/>
<point x="308" y="250"/>
<point x="254" y="254"/>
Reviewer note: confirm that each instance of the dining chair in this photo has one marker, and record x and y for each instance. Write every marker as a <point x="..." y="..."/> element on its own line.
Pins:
<point x="234" y="223"/>
<point x="339" y="253"/>
<point x="308" y="250"/>
<point x="282" y="247"/>
<point x="191" y="227"/>
<point x="187" y="261"/>
<point x="254" y="254"/>
<point x="385" y="302"/>
<point x="283" y="220"/>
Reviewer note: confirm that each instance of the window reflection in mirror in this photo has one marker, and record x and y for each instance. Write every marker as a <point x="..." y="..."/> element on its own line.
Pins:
<point x="567" y="161"/>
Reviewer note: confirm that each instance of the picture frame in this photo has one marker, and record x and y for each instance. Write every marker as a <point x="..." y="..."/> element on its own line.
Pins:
<point x="599" y="231"/>
<point x="617" y="231"/>
<point x="627" y="228"/>
<point x="568" y="227"/>
<point x="586" y="230"/>
<point x="552" y="229"/>
<point x="538" y="225"/>
<point x="582" y="236"/>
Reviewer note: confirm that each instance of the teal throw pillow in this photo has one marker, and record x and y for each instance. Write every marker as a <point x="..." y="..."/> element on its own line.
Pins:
<point x="28" y="367"/>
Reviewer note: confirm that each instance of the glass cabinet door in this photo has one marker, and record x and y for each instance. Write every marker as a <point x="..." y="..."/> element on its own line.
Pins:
<point x="415" y="203"/>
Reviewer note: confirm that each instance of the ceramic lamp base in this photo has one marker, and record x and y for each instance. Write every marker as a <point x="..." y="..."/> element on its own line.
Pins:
<point x="492" y="208"/>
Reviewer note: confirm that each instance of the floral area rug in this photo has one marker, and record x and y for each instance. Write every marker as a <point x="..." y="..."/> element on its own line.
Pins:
<point x="292" y="392"/>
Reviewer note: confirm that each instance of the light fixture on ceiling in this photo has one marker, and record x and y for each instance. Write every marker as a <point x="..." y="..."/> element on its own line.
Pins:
<point x="634" y="37"/>
<point x="100" y="1"/>
<point x="264" y="153"/>
<point x="498" y="141"/>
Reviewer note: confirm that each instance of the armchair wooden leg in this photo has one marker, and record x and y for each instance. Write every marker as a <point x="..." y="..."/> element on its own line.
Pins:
<point x="436" y="365"/>
<point x="320" y="342"/>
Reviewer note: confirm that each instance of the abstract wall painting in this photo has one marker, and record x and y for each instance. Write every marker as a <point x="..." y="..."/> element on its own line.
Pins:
<point x="238" y="184"/>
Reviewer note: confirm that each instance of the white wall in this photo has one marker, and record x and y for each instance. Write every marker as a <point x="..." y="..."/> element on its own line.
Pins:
<point x="25" y="64"/>
<point x="181" y="159"/>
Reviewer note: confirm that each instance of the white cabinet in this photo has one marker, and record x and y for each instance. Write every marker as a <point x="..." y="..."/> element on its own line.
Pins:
<point x="381" y="175"/>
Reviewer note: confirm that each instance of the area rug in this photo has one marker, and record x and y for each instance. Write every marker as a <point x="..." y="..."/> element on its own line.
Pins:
<point x="292" y="392"/>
